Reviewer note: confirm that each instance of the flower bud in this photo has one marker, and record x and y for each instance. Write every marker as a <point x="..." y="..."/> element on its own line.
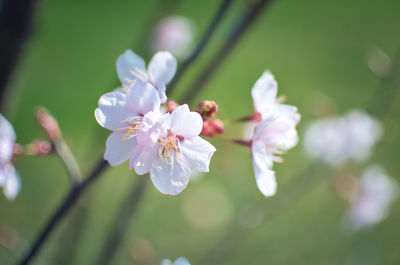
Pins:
<point x="212" y="128"/>
<point x="41" y="147"/>
<point x="49" y="124"/>
<point x="207" y="109"/>
<point x="170" y="106"/>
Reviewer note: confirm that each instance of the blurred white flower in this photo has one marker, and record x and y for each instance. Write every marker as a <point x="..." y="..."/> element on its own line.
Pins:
<point x="178" y="261"/>
<point x="376" y="192"/>
<point x="9" y="178"/>
<point x="335" y="140"/>
<point x="159" y="73"/>
<point x="174" y="34"/>
<point x="275" y="131"/>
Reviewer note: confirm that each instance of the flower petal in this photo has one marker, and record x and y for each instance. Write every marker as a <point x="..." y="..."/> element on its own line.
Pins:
<point x="118" y="150"/>
<point x="127" y="62"/>
<point x="143" y="158"/>
<point x="181" y="261"/>
<point x="185" y="122"/>
<point x="112" y="110"/>
<point x="12" y="184"/>
<point x="264" y="93"/>
<point x="142" y="97"/>
<point x="262" y="164"/>
<point x="7" y="139"/>
<point x="196" y="153"/>
<point x="162" y="68"/>
<point x="169" y="179"/>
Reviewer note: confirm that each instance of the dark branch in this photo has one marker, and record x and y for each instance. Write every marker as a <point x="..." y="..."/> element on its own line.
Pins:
<point x="237" y="32"/>
<point x="222" y="11"/>
<point x="69" y="201"/>
<point x="16" y="23"/>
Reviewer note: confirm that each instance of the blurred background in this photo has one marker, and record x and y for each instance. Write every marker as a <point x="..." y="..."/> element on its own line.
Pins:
<point x="323" y="55"/>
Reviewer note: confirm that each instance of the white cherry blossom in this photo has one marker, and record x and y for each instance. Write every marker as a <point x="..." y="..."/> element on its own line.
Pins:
<point x="9" y="178"/>
<point x="376" y="192"/>
<point x="159" y="73"/>
<point x="123" y="114"/>
<point x="336" y="140"/>
<point x="170" y="148"/>
<point x="178" y="261"/>
<point x="274" y="133"/>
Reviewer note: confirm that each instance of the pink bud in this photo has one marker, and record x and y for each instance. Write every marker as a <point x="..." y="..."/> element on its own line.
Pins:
<point x="170" y="106"/>
<point x="212" y="128"/>
<point x="41" y="147"/>
<point x="48" y="123"/>
<point x="207" y="109"/>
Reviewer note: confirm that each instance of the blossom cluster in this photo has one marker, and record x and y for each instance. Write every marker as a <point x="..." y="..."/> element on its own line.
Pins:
<point x="162" y="138"/>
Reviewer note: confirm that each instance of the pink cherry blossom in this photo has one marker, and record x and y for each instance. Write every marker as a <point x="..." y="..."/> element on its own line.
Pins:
<point x="159" y="73"/>
<point x="170" y="148"/>
<point x="9" y="178"/>
<point x="274" y="134"/>
<point x="123" y="114"/>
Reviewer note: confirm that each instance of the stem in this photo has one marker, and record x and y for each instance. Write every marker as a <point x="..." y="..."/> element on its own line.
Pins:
<point x="222" y="11"/>
<point x="70" y="200"/>
<point x="16" y="23"/>
<point x="69" y="160"/>
<point x="237" y="32"/>
<point x="118" y="229"/>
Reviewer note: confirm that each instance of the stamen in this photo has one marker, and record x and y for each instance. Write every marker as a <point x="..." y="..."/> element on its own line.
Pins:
<point x="133" y="125"/>
<point x="169" y="144"/>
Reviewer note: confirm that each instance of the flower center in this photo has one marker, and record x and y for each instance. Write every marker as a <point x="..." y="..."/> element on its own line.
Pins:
<point x="167" y="145"/>
<point x="139" y="74"/>
<point x="132" y="127"/>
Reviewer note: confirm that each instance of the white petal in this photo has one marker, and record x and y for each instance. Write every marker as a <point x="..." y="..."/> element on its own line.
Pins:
<point x="142" y="98"/>
<point x="185" y="122"/>
<point x="181" y="261"/>
<point x="127" y="62"/>
<point x="169" y="179"/>
<point x="7" y="139"/>
<point x="118" y="150"/>
<point x="197" y="153"/>
<point x="12" y="185"/>
<point x="264" y="93"/>
<point x="143" y="158"/>
<point x="262" y="164"/>
<point x="112" y="110"/>
<point x="162" y="68"/>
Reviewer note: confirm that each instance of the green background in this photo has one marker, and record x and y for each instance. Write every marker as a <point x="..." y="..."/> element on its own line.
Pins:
<point x="317" y="51"/>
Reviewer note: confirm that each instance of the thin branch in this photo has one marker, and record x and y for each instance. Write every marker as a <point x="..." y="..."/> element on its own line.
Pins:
<point x="70" y="200"/>
<point x="69" y="160"/>
<point x="118" y="228"/>
<point x="222" y="11"/>
<point x="237" y="32"/>
<point x="16" y="23"/>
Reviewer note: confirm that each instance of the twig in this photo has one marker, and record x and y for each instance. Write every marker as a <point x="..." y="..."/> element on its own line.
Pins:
<point x="222" y="11"/>
<point x="238" y="31"/>
<point x="70" y="200"/>
<point x="126" y="213"/>
<point x="16" y="23"/>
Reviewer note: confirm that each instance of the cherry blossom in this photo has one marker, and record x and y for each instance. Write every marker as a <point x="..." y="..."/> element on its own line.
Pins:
<point x="336" y="140"/>
<point x="169" y="147"/>
<point x="274" y="131"/>
<point x="178" y="261"/>
<point x="159" y="73"/>
<point x="123" y="114"/>
<point x="174" y="34"/>
<point x="9" y="178"/>
<point x="376" y="192"/>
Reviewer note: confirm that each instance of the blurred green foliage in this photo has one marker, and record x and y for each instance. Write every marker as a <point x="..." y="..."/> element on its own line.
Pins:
<point x="317" y="51"/>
